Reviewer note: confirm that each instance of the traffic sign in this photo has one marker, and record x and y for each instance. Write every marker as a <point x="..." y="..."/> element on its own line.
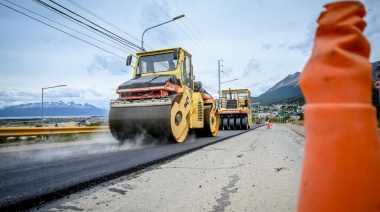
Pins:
<point x="376" y="84"/>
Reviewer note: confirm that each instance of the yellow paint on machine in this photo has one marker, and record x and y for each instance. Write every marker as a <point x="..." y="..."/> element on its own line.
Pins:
<point x="235" y="111"/>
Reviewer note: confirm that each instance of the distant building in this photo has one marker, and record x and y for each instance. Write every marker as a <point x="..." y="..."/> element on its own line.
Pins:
<point x="375" y="70"/>
<point x="375" y="93"/>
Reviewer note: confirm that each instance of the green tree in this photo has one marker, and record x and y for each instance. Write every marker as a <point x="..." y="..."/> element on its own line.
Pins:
<point x="301" y="117"/>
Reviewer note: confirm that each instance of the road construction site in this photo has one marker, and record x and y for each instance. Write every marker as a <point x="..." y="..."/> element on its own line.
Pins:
<point x="258" y="170"/>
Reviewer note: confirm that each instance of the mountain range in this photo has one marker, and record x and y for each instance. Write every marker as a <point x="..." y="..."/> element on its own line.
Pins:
<point x="52" y="109"/>
<point x="287" y="90"/>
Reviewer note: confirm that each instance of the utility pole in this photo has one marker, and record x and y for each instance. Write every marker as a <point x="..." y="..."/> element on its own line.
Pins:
<point x="219" y="100"/>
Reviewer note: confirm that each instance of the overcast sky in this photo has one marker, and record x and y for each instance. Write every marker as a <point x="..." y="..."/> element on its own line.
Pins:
<point x="260" y="42"/>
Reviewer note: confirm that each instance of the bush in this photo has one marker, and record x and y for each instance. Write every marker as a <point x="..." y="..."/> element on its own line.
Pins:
<point x="100" y="123"/>
<point x="301" y="117"/>
<point x="73" y="137"/>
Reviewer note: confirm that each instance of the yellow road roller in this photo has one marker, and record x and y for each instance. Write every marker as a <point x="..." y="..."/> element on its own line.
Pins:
<point x="162" y="99"/>
<point x="235" y="110"/>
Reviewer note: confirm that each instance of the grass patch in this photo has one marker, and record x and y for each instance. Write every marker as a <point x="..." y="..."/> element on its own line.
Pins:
<point x="20" y="139"/>
<point x="298" y="122"/>
<point x="71" y="137"/>
<point x="46" y="138"/>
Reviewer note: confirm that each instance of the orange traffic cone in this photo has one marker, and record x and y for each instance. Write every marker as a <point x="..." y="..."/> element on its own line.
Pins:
<point x="268" y="125"/>
<point x="341" y="168"/>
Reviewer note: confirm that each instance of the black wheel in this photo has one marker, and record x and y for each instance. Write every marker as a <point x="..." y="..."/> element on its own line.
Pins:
<point x="211" y="124"/>
<point x="225" y="124"/>
<point x="244" y="123"/>
<point x="231" y="123"/>
<point x="238" y="123"/>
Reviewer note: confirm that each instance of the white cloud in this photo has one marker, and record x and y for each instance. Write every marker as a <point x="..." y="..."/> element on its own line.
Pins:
<point x="111" y="65"/>
<point x="261" y="42"/>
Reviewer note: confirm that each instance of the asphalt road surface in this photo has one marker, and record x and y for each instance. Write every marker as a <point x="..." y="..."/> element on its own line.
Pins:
<point x="255" y="171"/>
<point x="29" y="178"/>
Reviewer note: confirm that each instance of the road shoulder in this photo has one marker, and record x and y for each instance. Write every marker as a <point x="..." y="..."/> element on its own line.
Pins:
<point x="256" y="171"/>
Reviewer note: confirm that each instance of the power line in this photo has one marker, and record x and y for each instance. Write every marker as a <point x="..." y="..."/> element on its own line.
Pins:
<point x="185" y="33"/>
<point x="102" y="19"/>
<point x="213" y="61"/>
<point x="185" y="25"/>
<point x="209" y="88"/>
<point x="106" y="32"/>
<point x="95" y="24"/>
<point x="217" y="56"/>
<point x="192" y="34"/>
<point x="125" y="50"/>
<point x="200" y="34"/>
<point x="95" y="28"/>
<point x="92" y="13"/>
<point x="63" y="31"/>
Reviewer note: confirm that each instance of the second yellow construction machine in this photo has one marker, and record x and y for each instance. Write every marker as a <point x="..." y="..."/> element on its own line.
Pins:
<point x="235" y="111"/>
<point x="162" y="99"/>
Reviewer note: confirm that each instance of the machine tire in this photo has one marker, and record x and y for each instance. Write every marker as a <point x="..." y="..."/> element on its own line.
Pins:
<point x="238" y="124"/>
<point x="211" y="124"/>
<point x="231" y="122"/>
<point x="225" y="123"/>
<point x="244" y="123"/>
<point x="178" y="120"/>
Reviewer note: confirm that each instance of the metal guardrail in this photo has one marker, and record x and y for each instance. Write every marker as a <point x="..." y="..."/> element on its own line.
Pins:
<point x="30" y="131"/>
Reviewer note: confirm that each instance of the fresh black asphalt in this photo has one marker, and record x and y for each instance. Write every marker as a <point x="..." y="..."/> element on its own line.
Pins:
<point x="27" y="183"/>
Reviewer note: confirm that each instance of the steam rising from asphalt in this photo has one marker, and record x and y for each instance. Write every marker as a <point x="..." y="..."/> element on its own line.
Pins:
<point x="191" y="137"/>
<point x="99" y="144"/>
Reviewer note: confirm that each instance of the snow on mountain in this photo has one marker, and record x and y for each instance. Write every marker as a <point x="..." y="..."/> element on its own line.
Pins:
<point x="51" y="109"/>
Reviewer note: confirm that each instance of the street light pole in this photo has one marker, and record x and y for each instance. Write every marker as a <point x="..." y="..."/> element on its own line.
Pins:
<point x="142" y="37"/>
<point x="219" y="101"/>
<point x="42" y="102"/>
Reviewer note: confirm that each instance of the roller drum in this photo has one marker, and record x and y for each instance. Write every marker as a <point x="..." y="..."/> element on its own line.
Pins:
<point x="129" y="122"/>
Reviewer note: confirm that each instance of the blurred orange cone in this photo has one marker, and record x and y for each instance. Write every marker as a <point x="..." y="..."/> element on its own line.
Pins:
<point x="341" y="169"/>
<point x="268" y="125"/>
